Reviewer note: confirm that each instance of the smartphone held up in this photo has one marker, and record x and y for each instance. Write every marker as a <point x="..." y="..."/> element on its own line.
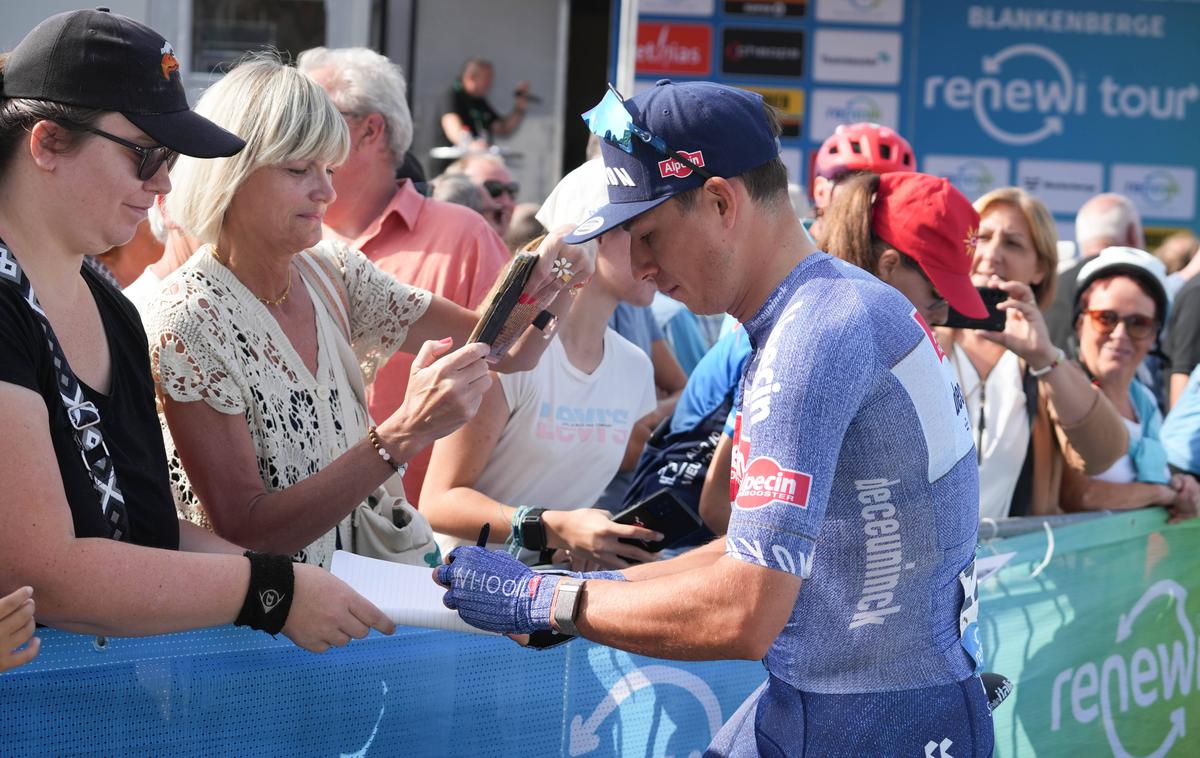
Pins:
<point x="992" y="297"/>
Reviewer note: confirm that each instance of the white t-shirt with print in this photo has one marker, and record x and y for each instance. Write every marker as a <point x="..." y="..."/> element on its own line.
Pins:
<point x="567" y="430"/>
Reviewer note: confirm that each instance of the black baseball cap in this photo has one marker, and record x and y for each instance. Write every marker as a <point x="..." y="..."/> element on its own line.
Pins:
<point x="102" y="60"/>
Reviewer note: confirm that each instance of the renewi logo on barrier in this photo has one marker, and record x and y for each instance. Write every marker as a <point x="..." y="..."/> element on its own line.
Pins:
<point x="1150" y="678"/>
<point x="1026" y="93"/>
<point x="1167" y="192"/>
<point x="973" y="175"/>
<point x="831" y="107"/>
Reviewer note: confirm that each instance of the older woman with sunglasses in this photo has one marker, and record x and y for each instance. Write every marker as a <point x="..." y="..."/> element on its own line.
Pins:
<point x="91" y="110"/>
<point x="260" y="341"/>
<point x="1121" y="303"/>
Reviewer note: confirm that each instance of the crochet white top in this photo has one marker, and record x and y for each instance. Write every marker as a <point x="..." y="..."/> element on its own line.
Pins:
<point x="211" y="339"/>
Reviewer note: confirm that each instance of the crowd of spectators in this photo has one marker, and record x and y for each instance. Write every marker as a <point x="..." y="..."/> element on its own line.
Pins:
<point x="303" y="323"/>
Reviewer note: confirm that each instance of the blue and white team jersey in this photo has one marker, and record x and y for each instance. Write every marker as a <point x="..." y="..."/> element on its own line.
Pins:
<point x="854" y="468"/>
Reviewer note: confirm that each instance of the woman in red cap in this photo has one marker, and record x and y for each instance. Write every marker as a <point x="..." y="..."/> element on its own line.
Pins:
<point x="918" y="233"/>
<point x="913" y="231"/>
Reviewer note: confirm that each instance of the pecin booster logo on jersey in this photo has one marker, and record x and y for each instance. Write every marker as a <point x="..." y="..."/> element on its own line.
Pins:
<point x="672" y="167"/>
<point x="883" y="551"/>
<point x="766" y="482"/>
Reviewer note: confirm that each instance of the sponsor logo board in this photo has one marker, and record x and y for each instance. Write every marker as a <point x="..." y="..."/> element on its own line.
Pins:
<point x="1062" y="185"/>
<point x="861" y="11"/>
<point x="771" y="9"/>
<point x="830" y="107"/>
<point x="763" y="52"/>
<point x="1157" y="191"/>
<point x="974" y="175"/>
<point x="674" y="49"/>
<point x="1026" y="93"/>
<point x="789" y="103"/>
<point x="676" y="7"/>
<point x="856" y="57"/>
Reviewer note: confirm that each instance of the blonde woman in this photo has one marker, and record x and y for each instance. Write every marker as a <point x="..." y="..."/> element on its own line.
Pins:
<point x="260" y="340"/>
<point x="1032" y="411"/>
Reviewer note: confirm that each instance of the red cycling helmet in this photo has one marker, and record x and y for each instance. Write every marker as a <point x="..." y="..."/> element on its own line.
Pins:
<point x="863" y="147"/>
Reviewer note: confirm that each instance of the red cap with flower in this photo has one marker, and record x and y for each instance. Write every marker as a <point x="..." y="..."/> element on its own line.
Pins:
<point x="927" y="219"/>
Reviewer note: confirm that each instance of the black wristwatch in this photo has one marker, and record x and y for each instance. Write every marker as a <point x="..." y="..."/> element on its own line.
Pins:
<point x="533" y="530"/>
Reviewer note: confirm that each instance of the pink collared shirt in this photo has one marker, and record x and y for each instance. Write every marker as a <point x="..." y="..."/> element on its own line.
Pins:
<point x="447" y="249"/>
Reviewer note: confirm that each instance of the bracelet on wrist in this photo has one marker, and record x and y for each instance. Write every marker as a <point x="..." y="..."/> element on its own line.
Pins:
<point x="515" y="524"/>
<point x="269" y="596"/>
<point x="1038" y="373"/>
<point x="377" y="443"/>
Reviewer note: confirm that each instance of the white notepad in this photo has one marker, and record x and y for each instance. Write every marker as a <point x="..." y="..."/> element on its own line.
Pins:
<point x="406" y="594"/>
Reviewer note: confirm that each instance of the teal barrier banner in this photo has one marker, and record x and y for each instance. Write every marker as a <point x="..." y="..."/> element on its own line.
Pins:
<point x="1095" y="622"/>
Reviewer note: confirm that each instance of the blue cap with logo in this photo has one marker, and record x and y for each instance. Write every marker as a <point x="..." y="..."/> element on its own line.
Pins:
<point x="722" y="130"/>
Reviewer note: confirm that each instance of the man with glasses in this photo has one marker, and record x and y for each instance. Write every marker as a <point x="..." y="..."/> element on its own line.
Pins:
<point x="848" y="563"/>
<point x="496" y="186"/>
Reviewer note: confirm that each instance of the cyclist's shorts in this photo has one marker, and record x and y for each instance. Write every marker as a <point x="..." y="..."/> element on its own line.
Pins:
<point x="949" y="720"/>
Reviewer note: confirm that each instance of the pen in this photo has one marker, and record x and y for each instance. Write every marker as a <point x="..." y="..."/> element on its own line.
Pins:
<point x="483" y="535"/>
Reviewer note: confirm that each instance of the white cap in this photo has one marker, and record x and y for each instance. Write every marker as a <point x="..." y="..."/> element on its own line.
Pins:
<point x="1129" y="261"/>
<point x="576" y="197"/>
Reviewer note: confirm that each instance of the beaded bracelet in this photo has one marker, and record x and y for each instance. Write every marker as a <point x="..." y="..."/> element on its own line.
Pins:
<point x="373" y="435"/>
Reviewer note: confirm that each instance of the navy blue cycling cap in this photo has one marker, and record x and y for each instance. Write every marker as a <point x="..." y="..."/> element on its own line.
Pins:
<point x="674" y="137"/>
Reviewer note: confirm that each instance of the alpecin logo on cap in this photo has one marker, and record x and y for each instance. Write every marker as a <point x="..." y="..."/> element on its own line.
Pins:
<point x="671" y="167"/>
<point x="169" y="62"/>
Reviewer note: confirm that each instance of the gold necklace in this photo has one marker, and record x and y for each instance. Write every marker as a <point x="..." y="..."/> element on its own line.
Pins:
<point x="264" y="300"/>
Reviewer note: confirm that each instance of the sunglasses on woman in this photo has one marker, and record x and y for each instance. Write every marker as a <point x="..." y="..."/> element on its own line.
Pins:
<point x="1137" y="326"/>
<point x="152" y="158"/>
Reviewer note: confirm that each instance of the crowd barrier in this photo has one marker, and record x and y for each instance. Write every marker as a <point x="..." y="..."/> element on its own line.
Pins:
<point x="1091" y="620"/>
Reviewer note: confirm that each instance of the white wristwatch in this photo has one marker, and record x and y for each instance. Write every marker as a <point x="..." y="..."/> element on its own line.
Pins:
<point x="566" y="605"/>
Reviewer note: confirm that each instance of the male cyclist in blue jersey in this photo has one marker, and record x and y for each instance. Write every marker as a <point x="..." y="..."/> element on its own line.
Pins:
<point x="849" y="560"/>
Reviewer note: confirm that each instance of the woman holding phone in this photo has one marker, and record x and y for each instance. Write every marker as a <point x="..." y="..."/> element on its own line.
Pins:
<point x="1032" y="410"/>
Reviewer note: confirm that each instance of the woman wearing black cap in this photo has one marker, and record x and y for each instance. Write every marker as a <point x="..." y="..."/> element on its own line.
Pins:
<point x="1121" y="304"/>
<point x="92" y="111"/>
